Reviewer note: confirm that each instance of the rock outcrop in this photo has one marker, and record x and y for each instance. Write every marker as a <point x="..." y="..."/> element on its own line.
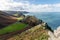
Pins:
<point x="32" y="20"/>
<point x="55" y="35"/>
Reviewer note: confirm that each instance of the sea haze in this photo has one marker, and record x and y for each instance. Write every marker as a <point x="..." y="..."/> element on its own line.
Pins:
<point x="52" y="18"/>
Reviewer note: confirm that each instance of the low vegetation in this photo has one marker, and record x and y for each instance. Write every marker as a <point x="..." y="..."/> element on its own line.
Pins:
<point x="35" y="33"/>
<point x="38" y="29"/>
<point x="13" y="27"/>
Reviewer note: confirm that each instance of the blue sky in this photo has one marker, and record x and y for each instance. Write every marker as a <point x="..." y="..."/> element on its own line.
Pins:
<point x="40" y="1"/>
<point x="31" y="5"/>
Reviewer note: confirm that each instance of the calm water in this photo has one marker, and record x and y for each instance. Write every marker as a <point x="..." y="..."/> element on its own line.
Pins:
<point x="52" y="18"/>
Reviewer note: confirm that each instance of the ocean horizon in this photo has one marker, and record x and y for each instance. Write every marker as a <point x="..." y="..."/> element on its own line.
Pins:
<point x="51" y="18"/>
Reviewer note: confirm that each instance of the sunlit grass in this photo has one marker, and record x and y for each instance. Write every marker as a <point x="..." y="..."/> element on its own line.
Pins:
<point x="20" y="18"/>
<point x="13" y="27"/>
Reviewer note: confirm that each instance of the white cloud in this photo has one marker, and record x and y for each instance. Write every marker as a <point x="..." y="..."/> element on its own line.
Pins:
<point x="11" y="5"/>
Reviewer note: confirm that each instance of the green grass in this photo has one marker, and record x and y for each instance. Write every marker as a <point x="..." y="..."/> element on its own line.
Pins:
<point x="13" y="27"/>
<point x="20" y="18"/>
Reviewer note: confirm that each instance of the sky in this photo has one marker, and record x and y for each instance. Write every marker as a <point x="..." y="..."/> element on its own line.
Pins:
<point x="31" y="5"/>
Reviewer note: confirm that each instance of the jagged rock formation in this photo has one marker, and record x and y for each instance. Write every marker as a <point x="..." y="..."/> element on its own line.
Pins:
<point x="48" y="27"/>
<point x="55" y="35"/>
<point x="6" y="19"/>
<point x="57" y="32"/>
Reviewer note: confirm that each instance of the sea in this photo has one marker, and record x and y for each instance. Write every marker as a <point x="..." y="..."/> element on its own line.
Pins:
<point x="51" y="18"/>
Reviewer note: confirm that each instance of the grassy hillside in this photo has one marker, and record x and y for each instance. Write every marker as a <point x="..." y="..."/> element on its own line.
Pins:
<point x="36" y="30"/>
<point x="13" y="27"/>
<point x="35" y="33"/>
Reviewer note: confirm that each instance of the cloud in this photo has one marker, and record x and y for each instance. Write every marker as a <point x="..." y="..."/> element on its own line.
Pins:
<point x="44" y="8"/>
<point x="25" y="5"/>
<point x="9" y="5"/>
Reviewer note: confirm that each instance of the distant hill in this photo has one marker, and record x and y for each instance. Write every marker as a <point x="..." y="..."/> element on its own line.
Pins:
<point x="6" y="19"/>
<point x="19" y="12"/>
<point x="16" y="13"/>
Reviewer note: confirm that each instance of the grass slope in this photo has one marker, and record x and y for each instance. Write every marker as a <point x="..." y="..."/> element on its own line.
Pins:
<point x="13" y="27"/>
<point x="35" y="33"/>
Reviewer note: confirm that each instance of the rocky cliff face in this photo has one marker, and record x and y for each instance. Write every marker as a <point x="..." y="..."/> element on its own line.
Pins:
<point x="55" y="35"/>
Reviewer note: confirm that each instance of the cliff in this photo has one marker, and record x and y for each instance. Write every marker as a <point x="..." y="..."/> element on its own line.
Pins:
<point x="35" y="30"/>
<point x="38" y="32"/>
<point x="55" y="35"/>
